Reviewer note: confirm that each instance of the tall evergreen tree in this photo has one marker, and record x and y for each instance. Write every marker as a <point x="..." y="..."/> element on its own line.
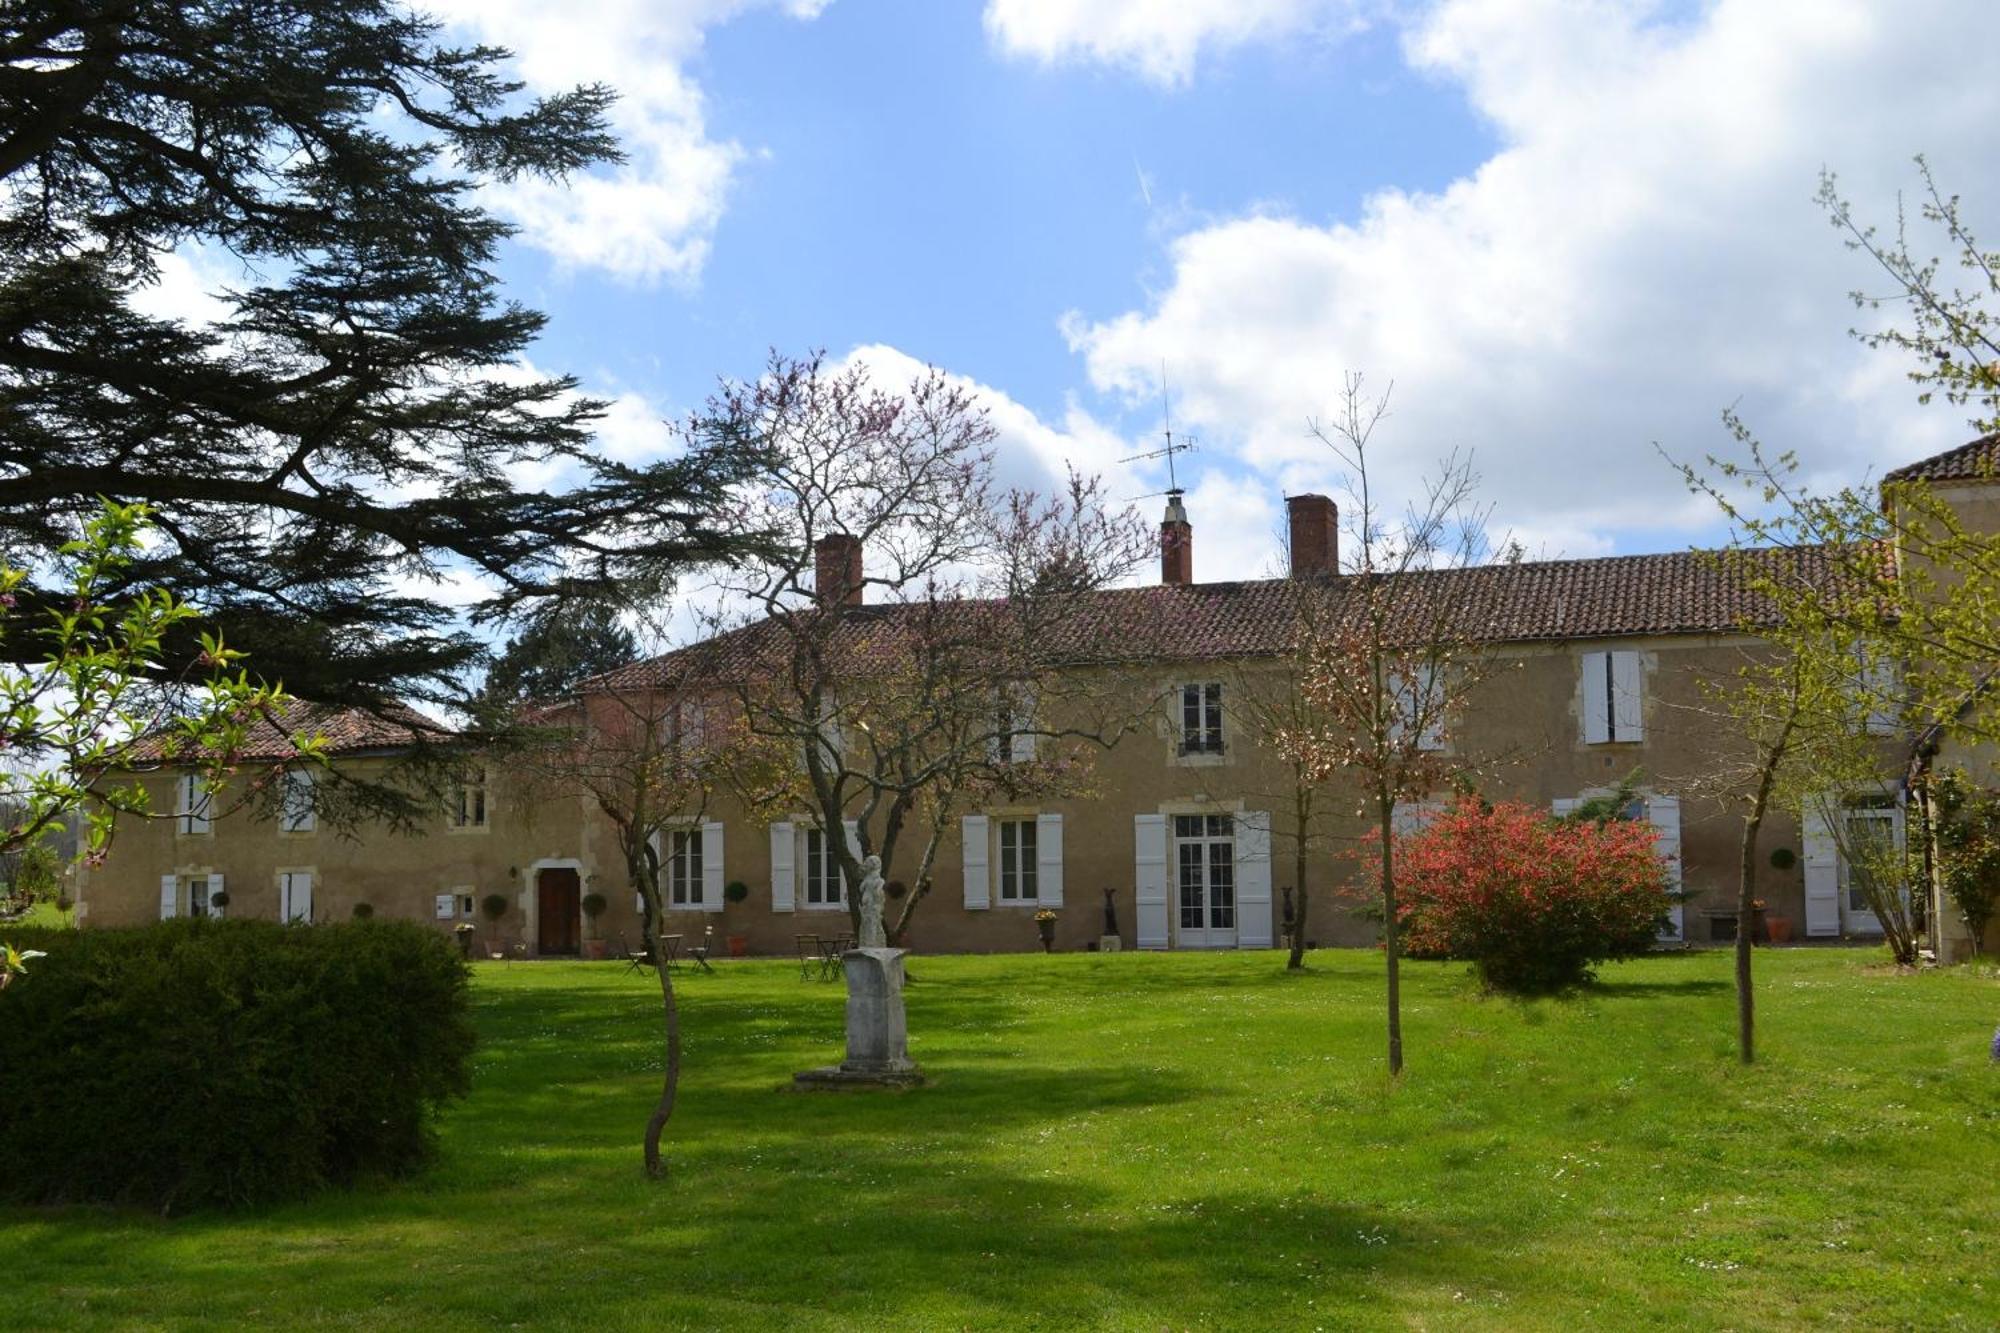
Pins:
<point x="550" y="657"/>
<point x="359" y="420"/>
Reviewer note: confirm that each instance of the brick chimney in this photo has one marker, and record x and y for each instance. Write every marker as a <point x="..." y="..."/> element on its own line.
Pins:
<point x="1176" y="543"/>
<point x="837" y="570"/>
<point x="1315" y="535"/>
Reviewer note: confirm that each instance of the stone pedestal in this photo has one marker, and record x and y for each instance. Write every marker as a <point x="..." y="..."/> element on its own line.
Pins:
<point x="877" y="1049"/>
<point x="1109" y="944"/>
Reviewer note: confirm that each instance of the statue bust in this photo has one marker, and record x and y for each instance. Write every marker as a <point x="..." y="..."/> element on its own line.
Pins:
<point x="872" y="931"/>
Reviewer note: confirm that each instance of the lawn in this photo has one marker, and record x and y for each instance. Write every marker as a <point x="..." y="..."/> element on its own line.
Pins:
<point x="1145" y="1141"/>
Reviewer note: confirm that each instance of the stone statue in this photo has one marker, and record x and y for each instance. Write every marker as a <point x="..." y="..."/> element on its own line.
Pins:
<point x="872" y="936"/>
<point x="1110" y="912"/>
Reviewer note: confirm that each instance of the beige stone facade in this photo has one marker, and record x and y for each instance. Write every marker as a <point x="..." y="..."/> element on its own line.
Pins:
<point x="1195" y="849"/>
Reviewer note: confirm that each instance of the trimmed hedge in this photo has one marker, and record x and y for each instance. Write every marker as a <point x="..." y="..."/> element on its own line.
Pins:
<point x="201" y="1063"/>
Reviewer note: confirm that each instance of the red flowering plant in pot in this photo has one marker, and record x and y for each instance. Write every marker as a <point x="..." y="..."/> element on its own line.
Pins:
<point x="1533" y="903"/>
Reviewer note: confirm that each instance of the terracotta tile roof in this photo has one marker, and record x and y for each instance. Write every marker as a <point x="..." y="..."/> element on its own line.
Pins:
<point x="347" y="731"/>
<point x="1685" y="592"/>
<point x="1978" y="460"/>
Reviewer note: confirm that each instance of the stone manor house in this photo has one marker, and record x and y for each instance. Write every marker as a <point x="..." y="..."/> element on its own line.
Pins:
<point x="1186" y="824"/>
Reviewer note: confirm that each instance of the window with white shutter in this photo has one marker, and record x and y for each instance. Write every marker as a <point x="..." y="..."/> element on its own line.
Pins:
<point x="1613" y="698"/>
<point x="1417" y="708"/>
<point x="192" y="806"/>
<point x="295" y="904"/>
<point x="1017" y="860"/>
<point x="684" y="867"/>
<point x="298" y="810"/>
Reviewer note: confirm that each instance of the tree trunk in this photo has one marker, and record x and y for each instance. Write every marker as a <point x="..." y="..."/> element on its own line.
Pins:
<point x="1746" y="924"/>
<point x="1385" y="816"/>
<point x="670" y="1085"/>
<point x="1302" y="807"/>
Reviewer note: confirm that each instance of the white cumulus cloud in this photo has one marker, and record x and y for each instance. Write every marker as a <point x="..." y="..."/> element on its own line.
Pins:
<point x="1159" y="39"/>
<point x="1641" y="252"/>
<point x="654" y="216"/>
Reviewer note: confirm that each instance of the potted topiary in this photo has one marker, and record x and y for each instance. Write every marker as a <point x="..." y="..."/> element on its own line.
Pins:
<point x="736" y="891"/>
<point x="593" y="905"/>
<point x="219" y="901"/>
<point x="493" y="906"/>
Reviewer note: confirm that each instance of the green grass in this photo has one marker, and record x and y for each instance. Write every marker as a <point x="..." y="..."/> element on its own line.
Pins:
<point x="1145" y="1142"/>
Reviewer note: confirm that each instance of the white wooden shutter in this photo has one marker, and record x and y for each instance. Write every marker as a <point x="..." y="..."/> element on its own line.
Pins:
<point x="1882" y="686"/>
<point x="295" y="896"/>
<point x="1596" y="699"/>
<point x="215" y="887"/>
<point x="853" y="834"/>
<point x="1021" y="726"/>
<point x="784" y="867"/>
<point x="298" y="806"/>
<point x="1149" y="837"/>
<point x="1822" y="858"/>
<point x="1253" y="880"/>
<point x="1430" y="710"/>
<point x="170" y="896"/>
<point x="1665" y="814"/>
<point x="1049" y="860"/>
<point x="1627" y="700"/>
<point x="972" y="836"/>
<point x="711" y="866"/>
<point x="445" y="906"/>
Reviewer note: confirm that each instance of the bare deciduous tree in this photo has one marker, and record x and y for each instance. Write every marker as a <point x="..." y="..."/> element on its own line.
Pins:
<point x="1388" y="671"/>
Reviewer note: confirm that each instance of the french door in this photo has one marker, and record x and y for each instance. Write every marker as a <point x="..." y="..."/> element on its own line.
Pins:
<point x="1205" y="881"/>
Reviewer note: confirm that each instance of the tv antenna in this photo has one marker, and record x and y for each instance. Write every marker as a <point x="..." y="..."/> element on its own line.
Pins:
<point x="1185" y="445"/>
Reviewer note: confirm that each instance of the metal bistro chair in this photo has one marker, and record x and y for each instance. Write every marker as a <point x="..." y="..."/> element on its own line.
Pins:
<point x="670" y="947"/>
<point x="810" y="956"/>
<point x="831" y="948"/>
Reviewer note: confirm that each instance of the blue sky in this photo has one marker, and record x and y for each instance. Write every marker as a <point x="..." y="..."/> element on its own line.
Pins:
<point x="1568" y="230"/>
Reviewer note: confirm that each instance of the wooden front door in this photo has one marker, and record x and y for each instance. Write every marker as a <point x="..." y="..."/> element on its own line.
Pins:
<point x="558" y="911"/>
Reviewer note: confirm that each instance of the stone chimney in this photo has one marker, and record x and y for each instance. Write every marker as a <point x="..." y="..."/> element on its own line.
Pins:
<point x="1176" y="543"/>
<point x="837" y="570"/>
<point x="1315" y="535"/>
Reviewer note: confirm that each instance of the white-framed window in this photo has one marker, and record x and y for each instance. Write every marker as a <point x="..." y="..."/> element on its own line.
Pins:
<point x="193" y="804"/>
<point x="684" y="867"/>
<point x="468" y="804"/>
<point x="198" y="895"/>
<point x="1014" y="724"/>
<point x="1613" y="698"/>
<point x="1201" y="718"/>
<point x="298" y="801"/>
<point x="295" y="897"/>
<point x="1417" y="707"/>
<point x="684" y="726"/>
<point x="1017" y="861"/>
<point x="819" y="873"/>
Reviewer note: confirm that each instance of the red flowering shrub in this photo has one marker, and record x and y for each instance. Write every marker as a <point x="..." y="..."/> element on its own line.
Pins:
<point x="1533" y="903"/>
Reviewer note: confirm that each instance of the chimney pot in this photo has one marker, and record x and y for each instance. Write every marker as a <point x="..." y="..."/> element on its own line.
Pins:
<point x="837" y="570"/>
<point x="1315" y="535"/>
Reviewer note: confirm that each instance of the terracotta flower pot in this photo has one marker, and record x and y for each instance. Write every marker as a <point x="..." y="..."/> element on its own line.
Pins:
<point x="596" y="949"/>
<point x="1780" y="928"/>
<point x="739" y="946"/>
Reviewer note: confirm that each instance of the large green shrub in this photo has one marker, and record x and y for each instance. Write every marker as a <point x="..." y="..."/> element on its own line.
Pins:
<point x="200" y="1063"/>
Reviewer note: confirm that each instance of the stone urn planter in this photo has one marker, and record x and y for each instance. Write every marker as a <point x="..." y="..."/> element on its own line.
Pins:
<point x="1045" y="923"/>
